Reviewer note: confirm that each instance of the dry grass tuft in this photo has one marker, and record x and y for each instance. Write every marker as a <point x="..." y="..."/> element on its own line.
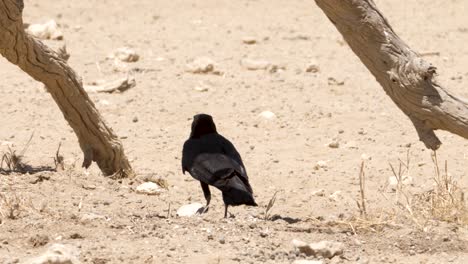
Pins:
<point x="10" y="206"/>
<point x="59" y="159"/>
<point x="362" y="190"/>
<point x="446" y="200"/>
<point x="270" y="205"/>
<point x="13" y="161"/>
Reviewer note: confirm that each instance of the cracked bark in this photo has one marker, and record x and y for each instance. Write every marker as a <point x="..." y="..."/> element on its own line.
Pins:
<point x="97" y="141"/>
<point x="402" y="73"/>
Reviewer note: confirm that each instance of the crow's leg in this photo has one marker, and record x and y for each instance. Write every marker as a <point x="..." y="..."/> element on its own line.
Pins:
<point x="207" y="193"/>
<point x="225" y="210"/>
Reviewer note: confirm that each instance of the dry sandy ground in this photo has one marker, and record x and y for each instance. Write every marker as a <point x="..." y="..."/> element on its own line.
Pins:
<point x="280" y="154"/>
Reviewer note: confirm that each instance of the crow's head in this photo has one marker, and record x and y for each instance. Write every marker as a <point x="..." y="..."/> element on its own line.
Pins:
<point x="202" y="125"/>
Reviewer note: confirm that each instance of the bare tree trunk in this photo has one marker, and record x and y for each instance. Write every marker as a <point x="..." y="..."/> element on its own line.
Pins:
<point x="403" y="74"/>
<point x="97" y="141"/>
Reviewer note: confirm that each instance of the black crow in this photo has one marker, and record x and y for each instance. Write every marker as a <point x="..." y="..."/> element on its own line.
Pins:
<point x="213" y="160"/>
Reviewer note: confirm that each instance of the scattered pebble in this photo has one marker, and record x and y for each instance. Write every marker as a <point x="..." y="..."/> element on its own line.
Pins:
<point x="267" y="115"/>
<point x="253" y="65"/>
<point x="57" y="254"/>
<point x="222" y="240"/>
<point x="334" y="144"/>
<point x="264" y="233"/>
<point x="201" y="89"/>
<point x="319" y="193"/>
<point x="321" y="164"/>
<point x="48" y="30"/>
<point x="135" y="119"/>
<point x="333" y="81"/>
<point x="202" y="65"/>
<point x="38" y="240"/>
<point x="325" y="249"/>
<point x="336" y="196"/>
<point x="149" y="188"/>
<point x="190" y="209"/>
<point x="249" y="40"/>
<point x="125" y="54"/>
<point x="364" y="156"/>
<point x="312" y="67"/>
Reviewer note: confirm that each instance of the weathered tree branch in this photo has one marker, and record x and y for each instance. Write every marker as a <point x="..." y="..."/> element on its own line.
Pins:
<point x="403" y="74"/>
<point x="97" y="141"/>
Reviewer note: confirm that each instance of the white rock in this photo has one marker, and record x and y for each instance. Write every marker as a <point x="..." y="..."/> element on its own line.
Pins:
<point x="149" y="188"/>
<point x="48" y="30"/>
<point x="393" y="181"/>
<point x="58" y="254"/>
<point x="125" y="54"/>
<point x="6" y="143"/>
<point x="364" y="156"/>
<point x="321" y="164"/>
<point x="267" y="115"/>
<point x="312" y="67"/>
<point x="304" y="261"/>
<point x="325" y="249"/>
<point x="254" y="65"/>
<point x="320" y="192"/>
<point x="201" y="89"/>
<point x="201" y="65"/>
<point x="336" y="196"/>
<point x="190" y="209"/>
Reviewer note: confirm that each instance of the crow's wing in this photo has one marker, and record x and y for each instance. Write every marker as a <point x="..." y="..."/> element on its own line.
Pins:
<point x="189" y="152"/>
<point x="229" y="149"/>
<point x="214" y="168"/>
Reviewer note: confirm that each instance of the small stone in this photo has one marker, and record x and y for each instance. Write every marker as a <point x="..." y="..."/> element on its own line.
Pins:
<point x="325" y="249"/>
<point x="334" y="144"/>
<point x="189" y="210"/>
<point x="321" y="164"/>
<point x="38" y="240"/>
<point x="249" y="40"/>
<point x="48" y="30"/>
<point x="125" y="54"/>
<point x="333" y="81"/>
<point x="57" y="254"/>
<point x="149" y="188"/>
<point x="364" y="156"/>
<point x="336" y="196"/>
<point x="264" y="233"/>
<point x="253" y="65"/>
<point x="312" y="67"/>
<point x="319" y="193"/>
<point x="201" y="65"/>
<point x="267" y="115"/>
<point x="76" y="236"/>
<point x="201" y="89"/>
<point x="222" y="240"/>
<point x="135" y="119"/>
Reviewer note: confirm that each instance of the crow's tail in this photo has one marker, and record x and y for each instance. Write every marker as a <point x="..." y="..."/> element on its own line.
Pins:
<point x="237" y="191"/>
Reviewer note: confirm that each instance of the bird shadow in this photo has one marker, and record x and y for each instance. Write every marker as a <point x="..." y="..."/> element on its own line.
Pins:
<point x="27" y="169"/>
<point x="287" y="219"/>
